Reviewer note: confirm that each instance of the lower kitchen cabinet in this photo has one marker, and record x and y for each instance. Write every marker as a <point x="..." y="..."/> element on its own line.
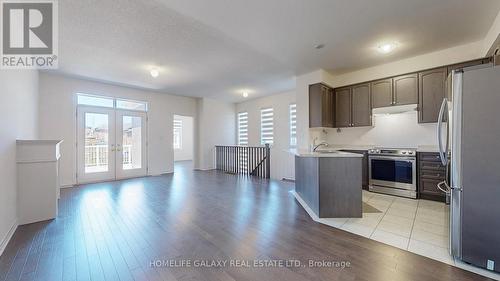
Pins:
<point x="430" y="173"/>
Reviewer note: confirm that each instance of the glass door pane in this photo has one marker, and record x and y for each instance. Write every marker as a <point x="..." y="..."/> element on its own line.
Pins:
<point x="95" y="144"/>
<point x="132" y="142"/>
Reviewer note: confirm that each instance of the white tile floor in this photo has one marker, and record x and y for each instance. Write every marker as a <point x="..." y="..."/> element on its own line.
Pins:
<point x="418" y="226"/>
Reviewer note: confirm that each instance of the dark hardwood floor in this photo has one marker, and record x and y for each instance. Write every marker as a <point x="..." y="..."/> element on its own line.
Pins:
<point x="125" y="230"/>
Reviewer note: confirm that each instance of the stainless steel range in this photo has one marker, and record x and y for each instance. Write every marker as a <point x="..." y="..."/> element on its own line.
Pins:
<point x="393" y="171"/>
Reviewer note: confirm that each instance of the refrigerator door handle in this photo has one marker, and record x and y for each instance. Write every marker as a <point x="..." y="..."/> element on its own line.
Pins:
<point x="443" y="155"/>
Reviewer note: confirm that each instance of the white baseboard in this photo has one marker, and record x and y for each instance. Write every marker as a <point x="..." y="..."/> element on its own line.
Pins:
<point x="6" y="239"/>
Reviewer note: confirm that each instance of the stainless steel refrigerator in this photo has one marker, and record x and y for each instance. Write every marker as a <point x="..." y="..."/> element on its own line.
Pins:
<point x="469" y="141"/>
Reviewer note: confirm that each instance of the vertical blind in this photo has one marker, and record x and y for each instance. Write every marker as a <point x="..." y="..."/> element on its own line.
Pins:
<point x="266" y="126"/>
<point x="177" y="134"/>
<point x="293" y="125"/>
<point x="243" y="128"/>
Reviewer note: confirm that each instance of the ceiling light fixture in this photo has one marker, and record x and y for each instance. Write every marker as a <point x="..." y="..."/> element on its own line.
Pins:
<point x="155" y="72"/>
<point x="245" y="94"/>
<point x="386" y="48"/>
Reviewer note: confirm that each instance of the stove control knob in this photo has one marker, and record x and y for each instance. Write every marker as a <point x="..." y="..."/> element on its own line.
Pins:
<point x="404" y="152"/>
<point x="410" y="152"/>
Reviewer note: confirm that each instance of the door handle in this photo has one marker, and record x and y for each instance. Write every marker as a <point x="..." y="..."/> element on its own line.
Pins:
<point x="442" y="154"/>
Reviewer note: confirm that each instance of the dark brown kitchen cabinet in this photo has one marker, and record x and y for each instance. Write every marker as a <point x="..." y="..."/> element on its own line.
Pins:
<point x="468" y="64"/>
<point x="405" y="89"/>
<point x="343" y="107"/>
<point x="430" y="173"/>
<point x="381" y="91"/>
<point x="361" y="106"/>
<point x="353" y="106"/>
<point x="321" y="105"/>
<point x="432" y="88"/>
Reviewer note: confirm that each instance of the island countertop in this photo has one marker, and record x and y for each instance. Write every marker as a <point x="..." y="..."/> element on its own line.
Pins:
<point x="324" y="154"/>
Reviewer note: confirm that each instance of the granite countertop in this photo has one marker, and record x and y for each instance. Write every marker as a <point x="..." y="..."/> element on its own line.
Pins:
<point x="324" y="153"/>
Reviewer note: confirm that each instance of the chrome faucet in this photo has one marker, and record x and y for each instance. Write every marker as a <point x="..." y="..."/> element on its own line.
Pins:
<point x="316" y="146"/>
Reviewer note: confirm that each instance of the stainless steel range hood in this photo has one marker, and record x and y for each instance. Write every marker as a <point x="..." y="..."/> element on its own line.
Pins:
<point x="395" y="109"/>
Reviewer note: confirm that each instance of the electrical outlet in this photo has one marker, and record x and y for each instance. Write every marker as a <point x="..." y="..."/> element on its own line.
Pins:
<point x="490" y="265"/>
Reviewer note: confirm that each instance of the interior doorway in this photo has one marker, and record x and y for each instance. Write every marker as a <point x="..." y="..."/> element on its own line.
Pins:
<point x="183" y="140"/>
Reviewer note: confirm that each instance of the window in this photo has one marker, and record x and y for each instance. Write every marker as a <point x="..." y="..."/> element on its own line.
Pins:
<point x="91" y="100"/>
<point x="243" y="128"/>
<point x="266" y="126"/>
<point x="94" y="100"/>
<point x="293" y="125"/>
<point x="132" y="105"/>
<point x="177" y="134"/>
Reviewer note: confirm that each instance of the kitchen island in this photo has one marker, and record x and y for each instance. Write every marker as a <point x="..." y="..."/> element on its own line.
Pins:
<point x="329" y="183"/>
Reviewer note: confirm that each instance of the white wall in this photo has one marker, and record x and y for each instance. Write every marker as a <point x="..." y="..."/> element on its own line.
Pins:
<point x="57" y="119"/>
<point x="187" y="138"/>
<point x="215" y="126"/>
<point x="302" y="99"/>
<point x="282" y="162"/>
<point x="18" y="115"/>
<point x="396" y="130"/>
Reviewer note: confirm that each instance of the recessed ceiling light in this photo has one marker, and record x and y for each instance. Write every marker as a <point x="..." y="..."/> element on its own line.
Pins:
<point x="386" y="48"/>
<point x="155" y="72"/>
<point x="245" y="94"/>
<point x="319" y="46"/>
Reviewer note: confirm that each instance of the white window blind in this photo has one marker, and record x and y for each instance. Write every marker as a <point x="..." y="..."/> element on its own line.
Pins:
<point x="293" y="125"/>
<point x="177" y="134"/>
<point x="243" y="128"/>
<point x="267" y="126"/>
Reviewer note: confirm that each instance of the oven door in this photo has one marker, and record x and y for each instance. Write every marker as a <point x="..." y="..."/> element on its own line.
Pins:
<point x="396" y="172"/>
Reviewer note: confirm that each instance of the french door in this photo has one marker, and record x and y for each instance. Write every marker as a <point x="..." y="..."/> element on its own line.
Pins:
<point x="111" y="144"/>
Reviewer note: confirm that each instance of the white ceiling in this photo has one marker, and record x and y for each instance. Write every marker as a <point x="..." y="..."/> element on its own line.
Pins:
<point x="219" y="48"/>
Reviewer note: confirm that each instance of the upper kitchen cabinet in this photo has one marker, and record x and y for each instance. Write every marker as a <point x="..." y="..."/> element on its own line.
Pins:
<point x="381" y="91"/>
<point x="343" y="103"/>
<point x="468" y="64"/>
<point x="431" y="91"/>
<point x="405" y="89"/>
<point x="353" y="106"/>
<point x="321" y="104"/>
<point x="361" y="105"/>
